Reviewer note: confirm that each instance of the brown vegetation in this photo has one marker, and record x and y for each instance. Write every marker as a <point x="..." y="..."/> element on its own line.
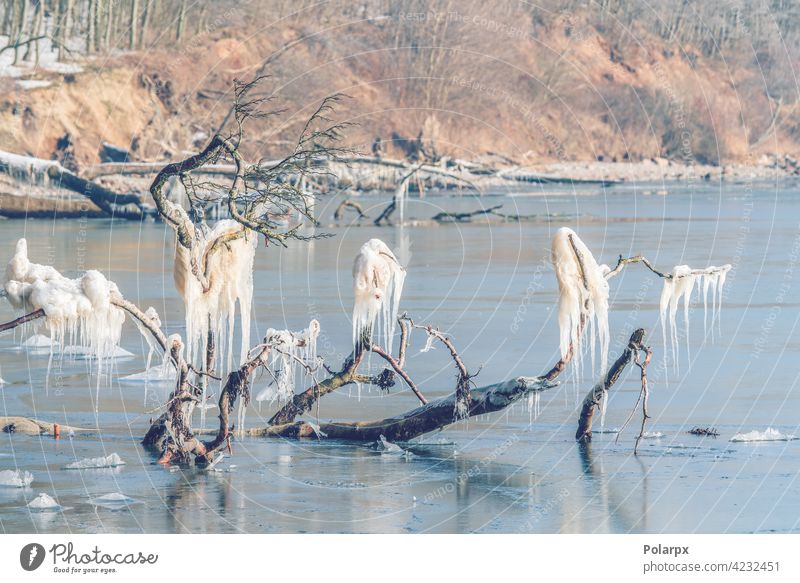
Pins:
<point x="558" y="80"/>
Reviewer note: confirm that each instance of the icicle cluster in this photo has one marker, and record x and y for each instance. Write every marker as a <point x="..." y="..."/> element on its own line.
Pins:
<point x="230" y="269"/>
<point x="680" y="285"/>
<point x="77" y="311"/>
<point x="582" y="298"/>
<point x="292" y="354"/>
<point x="378" y="281"/>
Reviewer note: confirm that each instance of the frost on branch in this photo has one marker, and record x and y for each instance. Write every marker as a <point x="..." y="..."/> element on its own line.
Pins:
<point x="378" y="281"/>
<point x="291" y="355"/>
<point x="582" y="297"/>
<point x="76" y="311"/>
<point x="681" y="284"/>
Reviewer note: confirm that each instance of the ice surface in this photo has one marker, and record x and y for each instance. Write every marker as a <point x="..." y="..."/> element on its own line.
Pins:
<point x="769" y="435"/>
<point x="109" y="461"/>
<point x="15" y="478"/>
<point x="378" y="281"/>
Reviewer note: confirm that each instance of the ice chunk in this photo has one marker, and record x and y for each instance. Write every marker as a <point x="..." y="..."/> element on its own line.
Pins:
<point x="37" y="341"/>
<point x="109" y="461"/>
<point x="154" y="374"/>
<point x="385" y="446"/>
<point x="15" y="478"/>
<point x="769" y="435"/>
<point x="114" y="501"/>
<point x="45" y="503"/>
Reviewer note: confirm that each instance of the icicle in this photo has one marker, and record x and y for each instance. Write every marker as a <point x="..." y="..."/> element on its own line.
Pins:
<point x="428" y="343"/>
<point x="723" y="274"/>
<point x="77" y="311"/>
<point x="583" y="298"/>
<point x="400" y="197"/>
<point x="377" y="286"/>
<point x="214" y="310"/>
<point x="291" y="357"/>
<point x="681" y="285"/>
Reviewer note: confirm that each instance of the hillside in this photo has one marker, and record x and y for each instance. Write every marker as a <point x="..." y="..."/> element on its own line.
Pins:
<point x="531" y="84"/>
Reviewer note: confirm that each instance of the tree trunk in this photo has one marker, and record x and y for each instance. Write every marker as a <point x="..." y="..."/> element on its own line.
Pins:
<point x="133" y="23"/>
<point x="181" y="21"/>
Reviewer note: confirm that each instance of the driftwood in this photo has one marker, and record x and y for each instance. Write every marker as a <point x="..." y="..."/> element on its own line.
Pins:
<point x="110" y="202"/>
<point x="445" y="217"/>
<point x="431" y="417"/>
<point x="594" y="397"/>
<point x="32" y="426"/>
<point x="346" y="204"/>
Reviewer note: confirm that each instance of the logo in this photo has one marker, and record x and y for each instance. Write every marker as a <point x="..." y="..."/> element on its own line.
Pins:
<point x="31" y="556"/>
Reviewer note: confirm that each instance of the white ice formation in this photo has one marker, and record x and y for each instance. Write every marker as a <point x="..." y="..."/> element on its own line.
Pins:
<point x="76" y="311"/>
<point x="769" y="435"/>
<point x="110" y="461"/>
<point x="15" y="478"/>
<point x="582" y="297"/>
<point x="680" y="286"/>
<point x="45" y="503"/>
<point x="291" y="355"/>
<point x="230" y="281"/>
<point x="378" y="281"/>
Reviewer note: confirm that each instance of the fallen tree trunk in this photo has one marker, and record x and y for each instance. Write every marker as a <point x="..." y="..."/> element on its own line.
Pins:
<point x="42" y="171"/>
<point x="434" y="416"/>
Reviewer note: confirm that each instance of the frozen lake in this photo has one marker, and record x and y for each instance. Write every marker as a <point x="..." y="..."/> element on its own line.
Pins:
<point x="493" y="290"/>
